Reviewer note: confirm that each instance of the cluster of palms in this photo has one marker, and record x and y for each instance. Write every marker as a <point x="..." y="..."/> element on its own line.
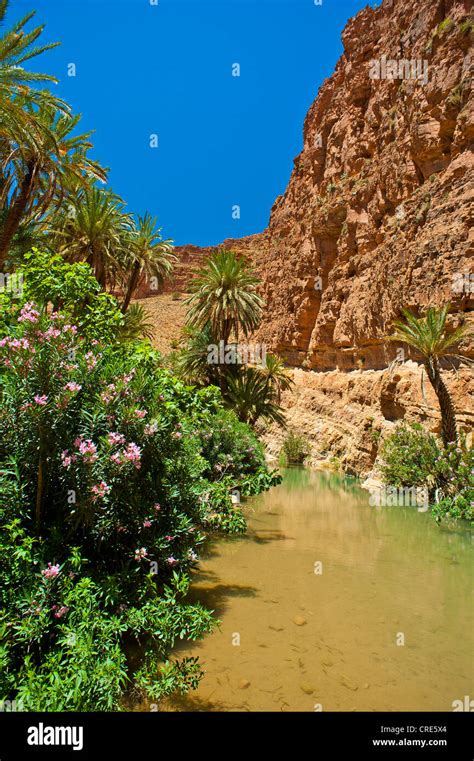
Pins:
<point x="224" y="305"/>
<point x="52" y="194"/>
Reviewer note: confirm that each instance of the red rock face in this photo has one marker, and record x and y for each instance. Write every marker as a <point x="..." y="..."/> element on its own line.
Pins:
<point x="377" y="212"/>
<point x="376" y="215"/>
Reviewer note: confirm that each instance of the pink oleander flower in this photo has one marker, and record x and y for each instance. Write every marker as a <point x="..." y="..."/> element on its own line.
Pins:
<point x="171" y="561"/>
<point x="71" y="386"/>
<point x="169" y="538"/>
<point x="146" y="524"/>
<point x="177" y="435"/>
<point x="140" y="414"/>
<point x="115" y="438"/>
<point x="41" y="400"/>
<point x="28" y="313"/>
<point x="70" y="329"/>
<point x="133" y="454"/>
<point x="51" y="333"/>
<point x="88" y="449"/>
<point x="140" y="553"/>
<point x="157" y="507"/>
<point x="192" y="555"/>
<point x="51" y="571"/>
<point x="100" y="490"/>
<point x="60" y="612"/>
<point x="66" y="458"/>
<point x="150" y="429"/>
<point x="117" y="458"/>
<point x="91" y="360"/>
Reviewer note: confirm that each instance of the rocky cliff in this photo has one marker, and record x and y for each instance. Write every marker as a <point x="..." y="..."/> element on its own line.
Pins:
<point x="377" y="215"/>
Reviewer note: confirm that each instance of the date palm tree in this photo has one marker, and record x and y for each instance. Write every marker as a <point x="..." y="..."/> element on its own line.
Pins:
<point x="429" y="336"/>
<point x="93" y="228"/>
<point x="276" y="374"/>
<point x="37" y="175"/>
<point x="16" y="47"/>
<point x="224" y="296"/>
<point x="251" y="396"/>
<point x="146" y="255"/>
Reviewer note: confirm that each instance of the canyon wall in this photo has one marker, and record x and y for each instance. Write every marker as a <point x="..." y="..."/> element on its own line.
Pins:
<point x="377" y="216"/>
<point x="378" y="210"/>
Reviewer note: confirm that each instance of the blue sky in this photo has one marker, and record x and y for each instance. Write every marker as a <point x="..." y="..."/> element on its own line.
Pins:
<point x="166" y="70"/>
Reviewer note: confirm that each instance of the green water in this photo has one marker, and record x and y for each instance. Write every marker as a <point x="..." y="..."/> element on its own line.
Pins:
<point x="329" y="603"/>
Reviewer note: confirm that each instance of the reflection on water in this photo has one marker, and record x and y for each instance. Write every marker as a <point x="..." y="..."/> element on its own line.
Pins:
<point x="330" y="638"/>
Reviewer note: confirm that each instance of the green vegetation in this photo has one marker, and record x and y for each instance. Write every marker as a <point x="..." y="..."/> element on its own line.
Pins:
<point x="467" y="26"/>
<point x="224" y="297"/>
<point x="430" y="337"/>
<point x="412" y="457"/>
<point x="295" y="449"/>
<point x="445" y="26"/>
<point x="224" y="304"/>
<point x="113" y="471"/>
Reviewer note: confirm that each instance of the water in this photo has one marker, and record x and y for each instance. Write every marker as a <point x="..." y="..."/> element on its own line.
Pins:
<point x="310" y="640"/>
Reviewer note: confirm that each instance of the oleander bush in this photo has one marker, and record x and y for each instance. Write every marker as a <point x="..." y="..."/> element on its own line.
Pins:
<point x="112" y="473"/>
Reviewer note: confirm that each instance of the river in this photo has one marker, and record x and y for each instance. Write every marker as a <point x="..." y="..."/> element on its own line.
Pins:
<point x="330" y="604"/>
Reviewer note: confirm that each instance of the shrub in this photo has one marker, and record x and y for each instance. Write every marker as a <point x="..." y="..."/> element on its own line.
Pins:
<point x="413" y="458"/>
<point x="409" y="457"/>
<point x="455" y="484"/>
<point x="295" y="449"/>
<point x="106" y="498"/>
<point x="232" y="451"/>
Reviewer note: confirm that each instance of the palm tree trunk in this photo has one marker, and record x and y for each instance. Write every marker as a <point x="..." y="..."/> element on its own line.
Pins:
<point x="448" y="417"/>
<point x="132" y="284"/>
<point x="16" y="213"/>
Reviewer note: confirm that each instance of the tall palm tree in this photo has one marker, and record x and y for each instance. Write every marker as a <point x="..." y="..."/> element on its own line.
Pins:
<point x="16" y="47"/>
<point x="36" y="175"/>
<point x="146" y="255"/>
<point x="224" y="296"/>
<point x="276" y="374"/>
<point x="429" y="336"/>
<point x="94" y="228"/>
